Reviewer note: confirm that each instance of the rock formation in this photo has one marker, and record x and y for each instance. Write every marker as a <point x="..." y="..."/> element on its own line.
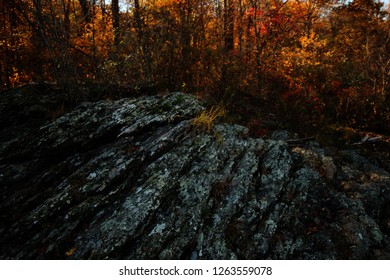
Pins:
<point x="134" y="179"/>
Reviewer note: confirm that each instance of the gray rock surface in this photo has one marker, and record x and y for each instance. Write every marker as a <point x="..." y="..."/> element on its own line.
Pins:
<point x="134" y="179"/>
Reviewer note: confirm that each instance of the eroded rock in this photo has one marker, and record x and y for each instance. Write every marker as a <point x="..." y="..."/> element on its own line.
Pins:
<point x="133" y="179"/>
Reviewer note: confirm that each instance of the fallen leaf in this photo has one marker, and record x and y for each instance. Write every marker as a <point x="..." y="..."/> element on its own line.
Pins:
<point x="70" y="252"/>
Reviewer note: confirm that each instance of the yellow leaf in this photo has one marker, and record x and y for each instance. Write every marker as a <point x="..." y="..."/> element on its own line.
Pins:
<point x="70" y="252"/>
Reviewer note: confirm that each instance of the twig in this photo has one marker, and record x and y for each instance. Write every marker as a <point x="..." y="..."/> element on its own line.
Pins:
<point x="299" y="140"/>
<point x="366" y="139"/>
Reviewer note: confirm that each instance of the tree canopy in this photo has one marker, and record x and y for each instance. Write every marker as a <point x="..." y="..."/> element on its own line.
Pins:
<point x="316" y="57"/>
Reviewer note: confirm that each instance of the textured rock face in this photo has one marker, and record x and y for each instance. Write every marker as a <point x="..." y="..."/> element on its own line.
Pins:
<point x="133" y="179"/>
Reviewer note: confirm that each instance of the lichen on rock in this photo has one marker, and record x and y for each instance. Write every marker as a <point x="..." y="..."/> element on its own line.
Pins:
<point x="133" y="179"/>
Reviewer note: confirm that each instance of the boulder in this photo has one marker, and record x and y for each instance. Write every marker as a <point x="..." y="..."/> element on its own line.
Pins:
<point x="135" y="179"/>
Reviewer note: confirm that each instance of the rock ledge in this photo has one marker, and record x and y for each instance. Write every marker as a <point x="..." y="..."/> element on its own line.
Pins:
<point x="133" y="179"/>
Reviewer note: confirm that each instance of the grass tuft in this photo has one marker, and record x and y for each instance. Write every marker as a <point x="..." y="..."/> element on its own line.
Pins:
<point x="206" y="119"/>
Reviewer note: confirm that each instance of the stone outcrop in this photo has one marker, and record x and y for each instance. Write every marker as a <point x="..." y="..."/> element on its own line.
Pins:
<point x="134" y="179"/>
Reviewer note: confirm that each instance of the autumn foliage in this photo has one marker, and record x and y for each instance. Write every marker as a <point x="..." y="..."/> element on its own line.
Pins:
<point x="310" y="61"/>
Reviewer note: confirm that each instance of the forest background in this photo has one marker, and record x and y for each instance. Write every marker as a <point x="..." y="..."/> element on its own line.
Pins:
<point x="302" y="63"/>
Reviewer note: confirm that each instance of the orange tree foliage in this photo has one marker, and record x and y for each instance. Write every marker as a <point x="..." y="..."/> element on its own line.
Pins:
<point x="316" y="59"/>
<point x="52" y="41"/>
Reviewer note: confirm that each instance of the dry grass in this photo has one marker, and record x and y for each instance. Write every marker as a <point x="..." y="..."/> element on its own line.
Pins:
<point x="206" y="119"/>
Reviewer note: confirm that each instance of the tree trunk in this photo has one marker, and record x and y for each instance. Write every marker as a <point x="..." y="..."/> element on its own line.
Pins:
<point x="115" y="22"/>
<point x="138" y="19"/>
<point x="229" y="25"/>
<point x="86" y="9"/>
<point x="66" y="8"/>
<point x="5" y="68"/>
<point x="186" y="41"/>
